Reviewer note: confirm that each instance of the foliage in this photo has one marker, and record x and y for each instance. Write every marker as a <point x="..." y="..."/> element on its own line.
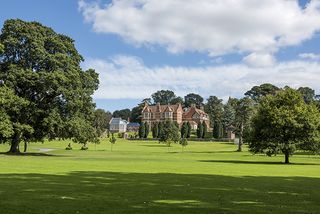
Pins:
<point x="155" y="130"/>
<point x="142" y="130"/>
<point x="283" y="124"/>
<point x="43" y="69"/>
<point x="164" y="97"/>
<point x="205" y="129"/>
<point x="244" y="111"/>
<point x="176" y="100"/>
<point x="192" y="98"/>
<point x="189" y="130"/>
<point x="184" y="130"/>
<point x="183" y="142"/>
<point x="136" y="111"/>
<point x="112" y="140"/>
<point x="146" y="130"/>
<point x="307" y="93"/>
<point x="101" y="121"/>
<point x="214" y="107"/>
<point x="69" y="147"/>
<point x="170" y="133"/>
<point x="200" y="130"/>
<point x="124" y="114"/>
<point x="229" y="114"/>
<point x="257" y="92"/>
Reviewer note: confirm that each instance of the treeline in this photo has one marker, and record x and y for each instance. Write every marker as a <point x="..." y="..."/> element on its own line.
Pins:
<point x="222" y="115"/>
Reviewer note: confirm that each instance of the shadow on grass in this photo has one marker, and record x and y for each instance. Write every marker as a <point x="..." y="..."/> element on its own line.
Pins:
<point x="212" y="152"/>
<point x="158" y="145"/>
<point x="255" y="162"/>
<point x="29" y="154"/>
<point x="110" y="192"/>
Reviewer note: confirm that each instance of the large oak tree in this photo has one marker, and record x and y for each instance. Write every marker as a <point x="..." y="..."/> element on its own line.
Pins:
<point x="285" y="123"/>
<point x="42" y="68"/>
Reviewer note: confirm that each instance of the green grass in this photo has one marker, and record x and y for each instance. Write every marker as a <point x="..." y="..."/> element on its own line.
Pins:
<point x="147" y="177"/>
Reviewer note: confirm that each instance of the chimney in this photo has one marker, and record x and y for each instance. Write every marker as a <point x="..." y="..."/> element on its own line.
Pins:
<point x="193" y="105"/>
<point x="158" y="106"/>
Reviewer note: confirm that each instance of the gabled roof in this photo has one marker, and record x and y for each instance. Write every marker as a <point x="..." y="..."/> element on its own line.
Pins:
<point x="161" y="108"/>
<point x="117" y="121"/>
<point x="191" y="111"/>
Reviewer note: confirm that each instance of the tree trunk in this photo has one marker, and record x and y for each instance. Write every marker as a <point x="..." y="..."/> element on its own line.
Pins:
<point x="14" y="148"/>
<point x="240" y="138"/>
<point x="286" y="156"/>
<point x="25" y="146"/>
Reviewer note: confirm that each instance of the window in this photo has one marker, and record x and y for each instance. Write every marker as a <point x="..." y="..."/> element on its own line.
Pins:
<point x="147" y="115"/>
<point x="168" y="114"/>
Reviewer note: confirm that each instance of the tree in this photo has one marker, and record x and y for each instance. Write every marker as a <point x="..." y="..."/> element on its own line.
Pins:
<point x="283" y="124"/>
<point x="112" y="140"/>
<point x="193" y="99"/>
<point x="136" y="111"/>
<point x="142" y="130"/>
<point x="101" y="121"/>
<point x="160" y="127"/>
<point x="124" y="113"/>
<point x="177" y="100"/>
<point x="43" y="69"/>
<point x="155" y="130"/>
<point x="217" y="131"/>
<point x="307" y="93"/>
<point x="170" y="133"/>
<point x="204" y="125"/>
<point x="146" y="130"/>
<point x="199" y="130"/>
<point x="214" y="107"/>
<point x="184" y="130"/>
<point x="164" y="97"/>
<point x="229" y="113"/>
<point x="244" y="112"/>
<point x="189" y="130"/>
<point x="183" y="142"/>
<point x="11" y="106"/>
<point x="257" y="92"/>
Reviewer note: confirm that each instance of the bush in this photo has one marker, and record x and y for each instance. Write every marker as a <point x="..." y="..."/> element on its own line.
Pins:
<point x="84" y="148"/>
<point x="69" y="147"/>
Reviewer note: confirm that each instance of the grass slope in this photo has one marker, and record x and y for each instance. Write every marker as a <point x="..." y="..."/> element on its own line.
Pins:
<point x="147" y="177"/>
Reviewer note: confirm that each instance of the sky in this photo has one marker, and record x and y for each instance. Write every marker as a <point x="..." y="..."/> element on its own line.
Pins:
<point x="209" y="47"/>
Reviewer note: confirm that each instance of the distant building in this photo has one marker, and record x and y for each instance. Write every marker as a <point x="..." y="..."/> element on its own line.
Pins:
<point x="231" y="132"/>
<point x="118" y="125"/>
<point x="133" y="127"/>
<point x="195" y="116"/>
<point x="175" y="113"/>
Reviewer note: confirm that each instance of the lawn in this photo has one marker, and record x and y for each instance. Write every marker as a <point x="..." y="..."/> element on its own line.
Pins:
<point x="147" y="177"/>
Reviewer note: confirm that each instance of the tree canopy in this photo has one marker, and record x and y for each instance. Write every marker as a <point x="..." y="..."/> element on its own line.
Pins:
<point x="192" y="98"/>
<point x="42" y="68"/>
<point x="124" y="113"/>
<point x="283" y="124"/>
<point x="164" y="97"/>
<point x="257" y="92"/>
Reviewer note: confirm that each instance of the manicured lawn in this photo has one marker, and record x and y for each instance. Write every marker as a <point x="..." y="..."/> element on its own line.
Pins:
<point x="147" y="177"/>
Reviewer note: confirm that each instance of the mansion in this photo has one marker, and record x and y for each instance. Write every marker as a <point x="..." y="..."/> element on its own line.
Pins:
<point x="159" y="113"/>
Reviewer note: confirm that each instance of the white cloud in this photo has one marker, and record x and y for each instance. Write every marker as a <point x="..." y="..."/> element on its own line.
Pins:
<point x="128" y="77"/>
<point x="310" y="56"/>
<point x="215" y="27"/>
<point x="259" y="60"/>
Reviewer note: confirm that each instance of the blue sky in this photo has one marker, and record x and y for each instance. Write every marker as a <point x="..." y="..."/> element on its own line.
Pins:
<point x="139" y="47"/>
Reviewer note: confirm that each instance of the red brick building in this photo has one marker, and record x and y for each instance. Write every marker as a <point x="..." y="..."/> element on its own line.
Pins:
<point x="160" y="113"/>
